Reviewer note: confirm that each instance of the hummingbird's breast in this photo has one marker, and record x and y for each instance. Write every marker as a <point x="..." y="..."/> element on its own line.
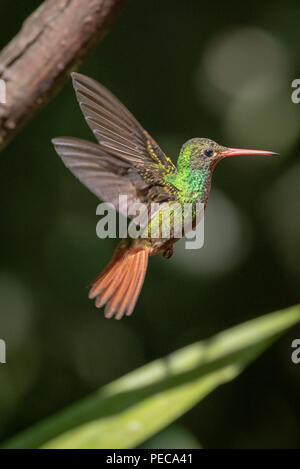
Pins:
<point x="192" y="184"/>
<point x="172" y="221"/>
<point x="175" y="218"/>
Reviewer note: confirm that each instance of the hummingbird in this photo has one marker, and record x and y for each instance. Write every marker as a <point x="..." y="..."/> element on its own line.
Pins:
<point x="127" y="160"/>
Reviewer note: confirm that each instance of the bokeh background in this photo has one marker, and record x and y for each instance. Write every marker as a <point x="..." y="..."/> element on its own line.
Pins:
<point x="216" y="69"/>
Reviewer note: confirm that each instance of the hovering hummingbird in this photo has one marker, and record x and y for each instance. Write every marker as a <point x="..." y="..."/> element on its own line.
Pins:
<point x="128" y="161"/>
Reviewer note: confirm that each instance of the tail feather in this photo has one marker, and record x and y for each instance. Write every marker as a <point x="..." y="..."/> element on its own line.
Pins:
<point x="112" y="307"/>
<point x="131" y="287"/>
<point x="112" y="282"/>
<point x="119" y="285"/>
<point x="137" y="286"/>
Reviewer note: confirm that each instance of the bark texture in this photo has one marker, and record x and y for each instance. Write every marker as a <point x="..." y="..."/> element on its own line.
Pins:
<point x="52" y="42"/>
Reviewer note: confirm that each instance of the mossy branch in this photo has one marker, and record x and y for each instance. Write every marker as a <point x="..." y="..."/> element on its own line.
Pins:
<point x="52" y="42"/>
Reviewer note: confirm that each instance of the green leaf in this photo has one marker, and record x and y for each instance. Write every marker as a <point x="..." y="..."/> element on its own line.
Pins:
<point x="138" y="405"/>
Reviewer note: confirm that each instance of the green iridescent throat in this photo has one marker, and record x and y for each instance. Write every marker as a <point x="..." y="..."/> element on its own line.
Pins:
<point x="191" y="179"/>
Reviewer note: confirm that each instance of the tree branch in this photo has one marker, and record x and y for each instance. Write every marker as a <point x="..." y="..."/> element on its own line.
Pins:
<point x="52" y="42"/>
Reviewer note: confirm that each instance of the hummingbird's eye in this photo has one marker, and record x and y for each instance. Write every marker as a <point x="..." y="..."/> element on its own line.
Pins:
<point x="208" y="152"/>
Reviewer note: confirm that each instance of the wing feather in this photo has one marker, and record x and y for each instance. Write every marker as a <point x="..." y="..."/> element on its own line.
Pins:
<point x="126" y="159"/>
<point x="94" y="168"/>
<point x="115" y="127"/>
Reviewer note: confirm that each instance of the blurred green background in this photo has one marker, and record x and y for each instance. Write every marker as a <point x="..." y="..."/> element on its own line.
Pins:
<point x="222" y="70"/>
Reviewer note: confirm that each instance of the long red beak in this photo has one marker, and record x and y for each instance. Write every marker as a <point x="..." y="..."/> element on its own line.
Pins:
<point x="241" y="151"/>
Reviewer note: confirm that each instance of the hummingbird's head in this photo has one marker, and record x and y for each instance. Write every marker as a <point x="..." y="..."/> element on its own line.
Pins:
<point x="203" y="152"/>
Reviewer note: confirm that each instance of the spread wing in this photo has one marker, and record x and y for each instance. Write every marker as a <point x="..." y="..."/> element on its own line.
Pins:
<point x="126" y="160"/>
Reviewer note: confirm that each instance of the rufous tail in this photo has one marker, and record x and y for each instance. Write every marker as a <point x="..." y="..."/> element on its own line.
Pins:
<point x="119" y="284"/>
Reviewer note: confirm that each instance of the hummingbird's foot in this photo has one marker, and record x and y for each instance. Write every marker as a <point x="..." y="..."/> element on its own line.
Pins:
<point x="168" y="252"/>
